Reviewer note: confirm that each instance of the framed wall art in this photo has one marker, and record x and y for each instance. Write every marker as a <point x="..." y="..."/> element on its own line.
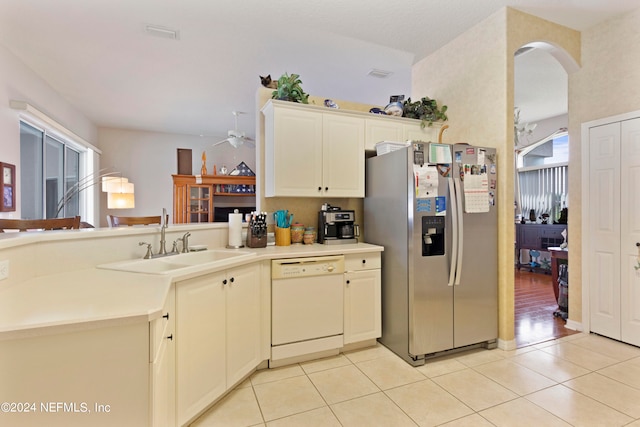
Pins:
<point x="8" y="187"/>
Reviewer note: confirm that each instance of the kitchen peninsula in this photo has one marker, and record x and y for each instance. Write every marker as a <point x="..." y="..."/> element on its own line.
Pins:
<point x="82" y="345"/>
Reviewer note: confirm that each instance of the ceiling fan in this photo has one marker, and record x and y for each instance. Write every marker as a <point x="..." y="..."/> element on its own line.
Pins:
<point x="236" y="137"/>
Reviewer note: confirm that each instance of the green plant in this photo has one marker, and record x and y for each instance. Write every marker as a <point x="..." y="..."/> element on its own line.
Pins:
<point x="289" y="89"/>
<point x="426" y="110"/>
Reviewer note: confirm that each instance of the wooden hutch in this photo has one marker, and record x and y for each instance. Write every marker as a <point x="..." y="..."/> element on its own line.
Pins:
<point x="193" y="196"/>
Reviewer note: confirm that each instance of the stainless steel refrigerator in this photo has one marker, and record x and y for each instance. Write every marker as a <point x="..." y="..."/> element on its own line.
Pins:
<point x="433" y="208"/>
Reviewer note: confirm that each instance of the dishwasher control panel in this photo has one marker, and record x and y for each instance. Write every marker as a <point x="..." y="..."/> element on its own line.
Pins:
<point x="304" y="267"/>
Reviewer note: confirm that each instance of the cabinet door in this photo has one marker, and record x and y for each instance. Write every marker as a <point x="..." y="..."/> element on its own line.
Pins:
<point x="382" y="129"/>
<point x="243" y="322"/>
<point x="343" y="158"/>
<point x="163" y="389"/>
<point x="293" y="153"/>
<point x="200" y="203"/>
<point x="531" y="236"/>
<point x="163" y="368"/>
<point x="415" y="132"/>
<point x="200" y="343"/>
<point x="362" y="306"/>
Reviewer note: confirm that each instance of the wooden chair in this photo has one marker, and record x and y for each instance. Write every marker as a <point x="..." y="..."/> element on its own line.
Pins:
<point x="40" y="224"/>
<point x="117" y="221"/>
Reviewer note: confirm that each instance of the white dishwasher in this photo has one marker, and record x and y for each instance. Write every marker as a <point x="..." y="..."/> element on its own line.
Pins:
<point x="306" y="306"/>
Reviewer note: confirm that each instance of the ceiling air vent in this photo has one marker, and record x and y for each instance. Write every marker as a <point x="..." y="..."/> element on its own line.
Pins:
<point x="381" y="74"/>
<point x="163" y="32"/>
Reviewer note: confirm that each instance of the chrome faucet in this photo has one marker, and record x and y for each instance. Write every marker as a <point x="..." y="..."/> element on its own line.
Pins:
<point x="163" y="228"/>
<point x="149" y="253"/>
<point x="185" y="242"/>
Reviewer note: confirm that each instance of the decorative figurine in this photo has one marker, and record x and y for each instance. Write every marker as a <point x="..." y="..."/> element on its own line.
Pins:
<point x="203" y="170"/>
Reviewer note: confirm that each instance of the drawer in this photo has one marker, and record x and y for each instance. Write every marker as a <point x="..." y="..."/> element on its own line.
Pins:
<point x="363" y="261"/>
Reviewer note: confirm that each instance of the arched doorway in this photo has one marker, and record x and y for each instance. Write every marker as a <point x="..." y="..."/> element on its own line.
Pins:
<point x="541" y="186"/>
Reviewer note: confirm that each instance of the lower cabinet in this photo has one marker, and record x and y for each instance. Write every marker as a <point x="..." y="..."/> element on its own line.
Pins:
<point x="218" y="336"/>
<point x="362" y="298"/>
<point x="162" y="367"/>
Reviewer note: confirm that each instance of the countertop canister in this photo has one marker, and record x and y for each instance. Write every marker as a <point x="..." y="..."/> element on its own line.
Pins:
<point x="309" y="236"/>
<point x="297" y="233"/>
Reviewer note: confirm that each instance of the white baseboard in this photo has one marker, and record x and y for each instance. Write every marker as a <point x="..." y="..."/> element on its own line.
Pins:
<point x="573" y="325"/>
<point x="506" y="345"/>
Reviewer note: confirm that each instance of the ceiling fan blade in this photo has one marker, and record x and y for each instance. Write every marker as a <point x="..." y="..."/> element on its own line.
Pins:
<point x="221" y="142"/>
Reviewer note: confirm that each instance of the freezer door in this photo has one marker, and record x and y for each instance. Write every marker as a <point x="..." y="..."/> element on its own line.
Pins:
<point x="476" y="295"/>
<point x="430" y="297"/>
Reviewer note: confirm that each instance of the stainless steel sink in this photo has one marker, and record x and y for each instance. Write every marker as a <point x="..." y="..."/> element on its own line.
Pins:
<point x="180" y="263"/>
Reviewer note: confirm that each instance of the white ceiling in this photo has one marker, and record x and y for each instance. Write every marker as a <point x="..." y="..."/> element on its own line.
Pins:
<point x="96" y="54"/>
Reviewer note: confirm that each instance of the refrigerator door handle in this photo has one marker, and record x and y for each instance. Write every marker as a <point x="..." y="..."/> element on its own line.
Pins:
<point x="454" y="226"/>
<point x="458" y="188"/>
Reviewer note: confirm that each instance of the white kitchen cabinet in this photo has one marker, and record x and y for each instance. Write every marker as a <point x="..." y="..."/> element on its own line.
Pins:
<point x="311" y="153"/>
<point x="163" y="368"/>
<point x="217" y="336"/>
<point x="396" y="129"/>
<point x="243" y="323"/>
<point x="382" y="129"/>
<point x="412" y="130"/>
<point x="362" y="297"/>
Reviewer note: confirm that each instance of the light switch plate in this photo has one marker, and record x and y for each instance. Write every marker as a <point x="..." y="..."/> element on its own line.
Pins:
<point x="4" y="269"/>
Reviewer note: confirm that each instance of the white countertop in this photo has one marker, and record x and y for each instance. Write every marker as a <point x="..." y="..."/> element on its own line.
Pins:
<point x="89" y="297"/>
<point x="96" y="297"/>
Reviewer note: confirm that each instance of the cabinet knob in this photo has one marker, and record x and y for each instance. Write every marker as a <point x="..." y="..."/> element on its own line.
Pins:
<point x="348" y="281"/>
<point x="232" y="280"/>
<point x="326" y="188"/>
<point x="364" y="261"/>
<point x="166" y="316"/>
<point x="170" y="337"/>
<point x="224" y="282"/>
<point x="319" y="188"/>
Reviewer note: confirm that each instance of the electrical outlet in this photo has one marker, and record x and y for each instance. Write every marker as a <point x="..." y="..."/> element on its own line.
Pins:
<point x="4" y="269"/>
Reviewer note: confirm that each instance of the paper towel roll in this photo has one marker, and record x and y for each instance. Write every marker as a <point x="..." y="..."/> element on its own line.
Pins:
<point x="235" y="230"/>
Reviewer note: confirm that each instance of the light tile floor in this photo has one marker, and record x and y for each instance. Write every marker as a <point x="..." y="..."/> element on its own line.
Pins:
<point x="579" y="380"/>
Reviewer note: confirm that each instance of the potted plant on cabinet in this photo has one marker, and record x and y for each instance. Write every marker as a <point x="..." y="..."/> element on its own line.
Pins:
<point x="426" y="110"/>
<point x="289" y="89"/>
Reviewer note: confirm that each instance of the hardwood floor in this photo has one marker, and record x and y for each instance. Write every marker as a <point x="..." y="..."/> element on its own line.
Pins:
<point x="535" y="304"/>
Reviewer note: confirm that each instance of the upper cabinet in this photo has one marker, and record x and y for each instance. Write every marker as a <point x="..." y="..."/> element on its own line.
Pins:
<point x="313" y="151"/>
<point x="382" y="128"/>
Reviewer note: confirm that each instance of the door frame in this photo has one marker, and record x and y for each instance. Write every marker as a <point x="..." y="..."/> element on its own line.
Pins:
<point x="585" y="326"/>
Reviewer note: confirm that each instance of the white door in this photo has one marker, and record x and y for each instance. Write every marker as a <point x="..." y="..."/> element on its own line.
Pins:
<point x="630" y="230"/>
<point x="604" y="225"/>
<point x="614" y="230"/>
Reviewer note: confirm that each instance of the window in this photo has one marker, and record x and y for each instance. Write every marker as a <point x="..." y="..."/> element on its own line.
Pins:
<point x="543" y="182"/>
<point x="49" y="167"/>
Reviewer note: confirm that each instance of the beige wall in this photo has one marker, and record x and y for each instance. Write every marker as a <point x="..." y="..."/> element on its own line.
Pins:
<point x="473" y="76"/>
<point x="18" y="82"/>
<point x="607" y="84"/>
